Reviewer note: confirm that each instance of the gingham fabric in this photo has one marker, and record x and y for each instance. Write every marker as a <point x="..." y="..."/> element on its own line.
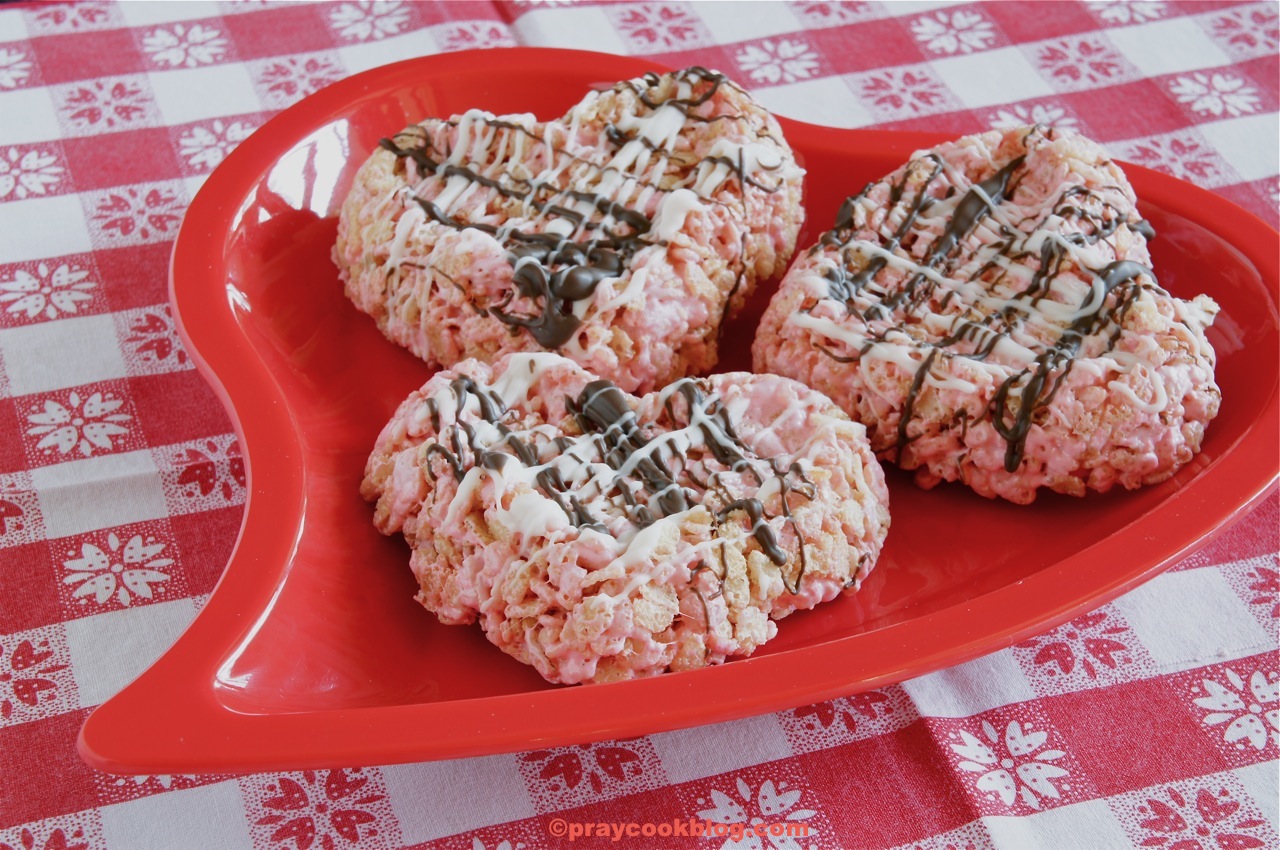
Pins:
<point x="1151" y="722"/>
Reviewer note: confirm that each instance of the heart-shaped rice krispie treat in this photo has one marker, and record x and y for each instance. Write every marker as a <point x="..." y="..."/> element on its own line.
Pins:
<point x="598" y="536"/>
<point x="989" y="312"/>
<point x="620" y="236"/>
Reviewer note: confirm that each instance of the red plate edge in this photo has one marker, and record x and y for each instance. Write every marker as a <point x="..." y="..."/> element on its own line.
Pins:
<point x="170" y="720"/>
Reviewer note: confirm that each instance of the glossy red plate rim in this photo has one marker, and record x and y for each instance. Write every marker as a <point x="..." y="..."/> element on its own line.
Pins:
<point x="170" y="719"/>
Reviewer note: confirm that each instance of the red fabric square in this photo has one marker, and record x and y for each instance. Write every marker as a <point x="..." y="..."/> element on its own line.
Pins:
<point x="43" y="774"/>
<point x="1111" y="110"/>
<point x="1265" y="72"/>
<point x="908" y="765"/>
<point x="1114" y="733"/>
<point x="206" y="541"/>
<point x="30" y="599"/>
<point x="136" y="276"/>
<point x="1259" y="197"/>
<point x="1031" y="20"/>
<point x="881" y="44"/>
<point x="85" y="55"/>
<point x="135" y="156"/>
<point x="1192" y="7"/>
<point x="177" y="406"/>
<point x="258" y="34"/>
<point x="12" y="457"/>
<point x="460" y="10"/>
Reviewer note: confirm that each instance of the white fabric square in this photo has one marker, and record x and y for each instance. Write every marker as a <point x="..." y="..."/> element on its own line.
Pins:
<point x="827" y="101"/>
<point x="903" y="8"/>
<point x="980" y="685"/>
<point x="571" y="27"/>
<point x="707" y="750"/>
<point x="362" y="57"/>
<point x="1167" y="47"/>
<point x="1248" y="144"/>
<point x="110" y="650"/>
<point x="996" y="76"/>
<point x="207" y="818"/>
<point x="1191" y="618"/>
<point x="144" y="14"/>
<point x="99" y="492"/>
<point x="1262" y="781"/>
<point x="39" y="119"/>
<point x="736" y="20"/>
<point x="192" y="94"/>
<point x="1082" y="826"/>
<point x="193" y="184"/>
<point x="12" y="26"/>
<point x="464" y="794"/>
<point x="42" y="227"/>
<point x="65" y="353"/>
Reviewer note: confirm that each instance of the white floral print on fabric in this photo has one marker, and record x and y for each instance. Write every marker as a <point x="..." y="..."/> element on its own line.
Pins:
<point x="947" y="33"/>
<point x="769" y="804"/>
<point x="1014" y="765"/>
<point x="119" y="569"/>
<point x="82" y="424"/>
<point x="1020" y="115"/>
<point x="786" y="60"/>
<point x="23" y="174"/>
<point x="1216" y="93"/>
<point x="185" y="46"/>
<point x="47" y="293"/>
<point x="15" y="68"/>
<point x="205" y="146"/>
<point x="365" y="21"/>
<point x="1249" y="714"/>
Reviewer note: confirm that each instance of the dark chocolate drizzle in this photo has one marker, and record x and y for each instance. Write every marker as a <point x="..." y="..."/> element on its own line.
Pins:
<point x="553" y="273"/>
<point x="650" y="481"/>
<point x="1020" y="398"/>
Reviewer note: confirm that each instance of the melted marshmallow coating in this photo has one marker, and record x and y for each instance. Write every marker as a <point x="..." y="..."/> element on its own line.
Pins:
<point x="621" y="235"/>
<point x="988" y="311"/>
<point x="599" y="536"/>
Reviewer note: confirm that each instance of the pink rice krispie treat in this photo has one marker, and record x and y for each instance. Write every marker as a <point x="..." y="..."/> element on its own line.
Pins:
<point x="620" y="236"/>
<point x="598" y="536"/>
<point x="988" y="311"/>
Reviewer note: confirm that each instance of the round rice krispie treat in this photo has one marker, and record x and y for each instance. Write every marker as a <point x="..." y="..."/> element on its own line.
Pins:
<point x="598" y="536"/>
<point x="988" y="311"/>
<point x="621" y="235"/>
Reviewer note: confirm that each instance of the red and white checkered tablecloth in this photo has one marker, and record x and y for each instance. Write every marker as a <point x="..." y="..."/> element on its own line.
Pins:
<point x="1152" y="722"/>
